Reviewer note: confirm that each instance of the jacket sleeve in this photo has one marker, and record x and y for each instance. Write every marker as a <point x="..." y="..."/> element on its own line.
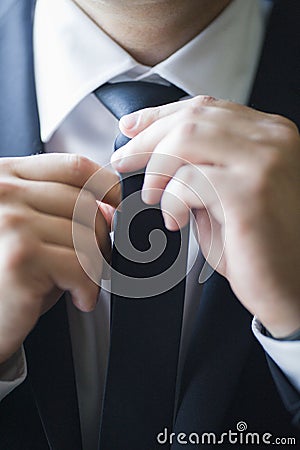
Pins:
<point x="290" y="396"/>
<point x="284" y="362"/>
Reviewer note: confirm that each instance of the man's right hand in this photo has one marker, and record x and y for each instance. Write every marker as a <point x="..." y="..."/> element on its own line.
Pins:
<point x="37" y="256"/>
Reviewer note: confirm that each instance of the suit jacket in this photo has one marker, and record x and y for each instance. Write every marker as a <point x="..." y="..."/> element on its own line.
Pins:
<point x="227" y="377"/>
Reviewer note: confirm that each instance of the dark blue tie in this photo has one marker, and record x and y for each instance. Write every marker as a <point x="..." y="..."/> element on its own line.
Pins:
<point x="148" y="286"/>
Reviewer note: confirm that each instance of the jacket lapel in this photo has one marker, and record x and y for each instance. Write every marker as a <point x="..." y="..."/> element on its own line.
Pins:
<point x="19" y="124"/>
<point x="210" y="365"/>
<point x="276" y="88"/>
<point x="48" y="348"/>
<point x="219" y="347"/>
<point x="50" y="373"/>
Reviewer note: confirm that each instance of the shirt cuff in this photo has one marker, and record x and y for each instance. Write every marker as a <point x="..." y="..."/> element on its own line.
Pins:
<point x="12" y="373"/>
<point x="286" y="354"/>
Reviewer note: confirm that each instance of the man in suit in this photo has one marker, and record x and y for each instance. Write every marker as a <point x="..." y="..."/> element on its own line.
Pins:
<point x="53" y="405"/>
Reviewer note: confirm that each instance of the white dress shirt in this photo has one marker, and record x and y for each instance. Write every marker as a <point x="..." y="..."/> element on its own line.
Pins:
<point x="72" y="58"/>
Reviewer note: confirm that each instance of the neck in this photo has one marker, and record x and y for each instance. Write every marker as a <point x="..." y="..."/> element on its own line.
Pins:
<point x="151" y="30"/>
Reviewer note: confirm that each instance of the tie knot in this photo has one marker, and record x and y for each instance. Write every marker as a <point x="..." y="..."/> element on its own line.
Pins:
<point x="127" y="97"/>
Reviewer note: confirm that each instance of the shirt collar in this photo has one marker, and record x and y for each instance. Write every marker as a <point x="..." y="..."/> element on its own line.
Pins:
<point x="73" y="56"/>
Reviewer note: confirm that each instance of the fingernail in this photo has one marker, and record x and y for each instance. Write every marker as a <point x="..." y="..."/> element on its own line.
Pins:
<point x="151" y="196"/>
<point x="170" y="223"/>
<point x="129" y="121"/>
<point x="84" y="306"/>
<point x="116" y="158"/>
<point x="145" y="196"/>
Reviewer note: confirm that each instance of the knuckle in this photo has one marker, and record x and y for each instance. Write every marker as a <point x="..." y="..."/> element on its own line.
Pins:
<point x="77" y="164"/>
<point x="20" y="253"/>
<point x="8" y="190"/>
<point x="290" y="135"/>
<point x="187" y="174"/>
<point x="150" y="115"/>
<point x="283" y="121"/>
<point x="88" y="198"/>
<point x="203" y="100"/>
<point x="6" y="165"/>
<point x="191" y="112"/>
<point x="186" y="131"/>
<point x="12" y="220"/>
<point x="284" y="129"/>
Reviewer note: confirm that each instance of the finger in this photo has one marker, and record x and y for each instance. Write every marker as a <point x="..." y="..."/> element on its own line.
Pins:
<point x="191" y="188"/>
<point x="51" y="198"/>
<point x="59" y="200"/>
<point x="211" y="239"/>
<point x="165" y="134"/>
<point x="60" y="231"/>
<point x="137" y="152"/>
<point x="54" y="200"/>
<point x="133" y="124"/>
<point x="70" y="169"/>
<point x="66" y="272"/>
<point x="212" y="138"/>
<point x="192" y="145"/>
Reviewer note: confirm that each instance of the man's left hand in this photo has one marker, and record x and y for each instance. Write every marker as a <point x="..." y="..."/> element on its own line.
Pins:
<point x="238" y="169"/>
